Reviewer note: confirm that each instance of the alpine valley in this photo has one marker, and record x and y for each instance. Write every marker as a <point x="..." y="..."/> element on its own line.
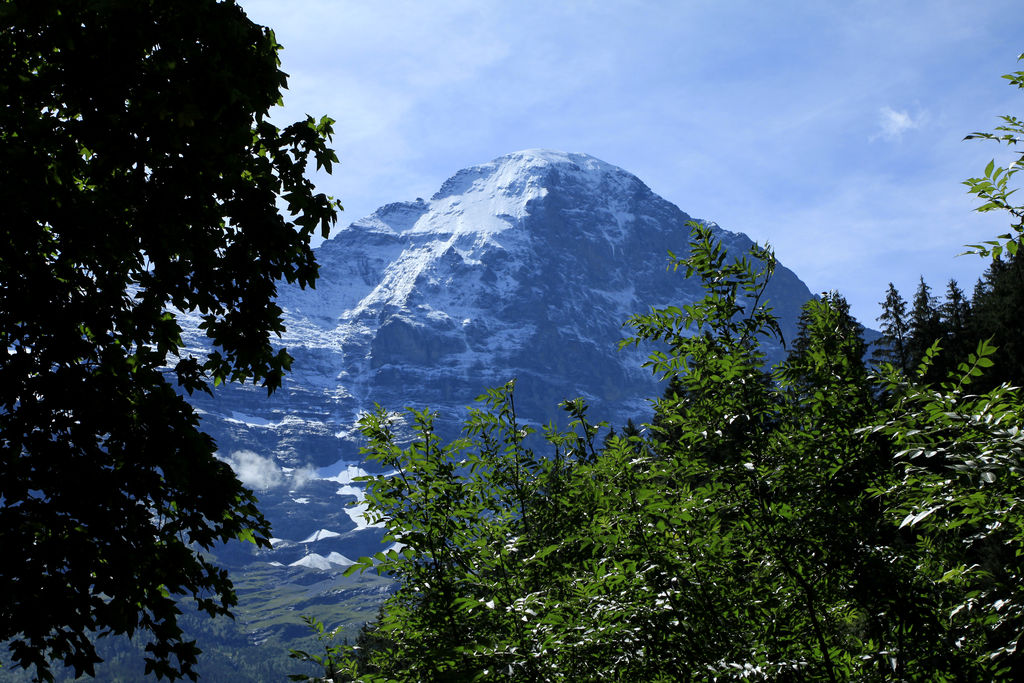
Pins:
<point x="522" y="268"/>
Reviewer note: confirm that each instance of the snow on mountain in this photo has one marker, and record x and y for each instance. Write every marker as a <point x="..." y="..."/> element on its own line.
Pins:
<point x="339" y="559"/>
<point x="312" y="561"/>
<point x="320" y="535"/>
<point x="525" y="267"/>
<point x="332" y="561"/>
<point x="357" y="513"/>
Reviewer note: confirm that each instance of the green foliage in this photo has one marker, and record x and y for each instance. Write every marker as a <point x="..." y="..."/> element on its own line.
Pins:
<point x="784" y="524"/>
<point x="961" y="495"/>
<point x="140" y="178"/>
<point x="925" y="327"/>
<point x="476" y="522"/>
<point x="653" y="558"/>
<point x="993" y="187"/>
<point x="336" y="663"/>
<point x="807" y="522"/>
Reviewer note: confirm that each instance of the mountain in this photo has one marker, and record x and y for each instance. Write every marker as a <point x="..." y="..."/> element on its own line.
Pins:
<point x="525" y="267"/>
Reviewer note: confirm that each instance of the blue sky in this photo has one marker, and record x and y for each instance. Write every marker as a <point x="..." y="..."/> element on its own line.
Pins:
<point x="832" y="130"/>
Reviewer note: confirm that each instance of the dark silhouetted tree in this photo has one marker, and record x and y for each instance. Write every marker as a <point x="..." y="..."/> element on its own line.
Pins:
<point x="996" y="314"/>
<point x="893" y="346"/>
<point x="955" y="320"/>
<point x="139" y="177"/>
<point x="924" y="324"/>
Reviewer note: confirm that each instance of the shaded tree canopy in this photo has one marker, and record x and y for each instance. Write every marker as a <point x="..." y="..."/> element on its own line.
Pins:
<point x="995" y="312"/>
<point x="139" y="176"/>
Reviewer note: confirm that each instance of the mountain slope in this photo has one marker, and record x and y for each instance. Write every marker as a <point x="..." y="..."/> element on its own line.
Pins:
<point x="525" y="267"/>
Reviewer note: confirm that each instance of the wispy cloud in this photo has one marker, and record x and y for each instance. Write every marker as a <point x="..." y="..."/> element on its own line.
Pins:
<point x="302" y="476"/>
<point x="894" y="123"/>
<point x="255" y="471"/>
<point x="262" y="473"/>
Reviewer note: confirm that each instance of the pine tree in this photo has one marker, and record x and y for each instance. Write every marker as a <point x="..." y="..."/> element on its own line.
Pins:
<point x="955" y="319"/>
<point x="924" y="325"/>
<point x="956" y="310"/>
<point x="997" y="305"/>
<point x="981" y="288"/>
<point x="892" y="346"/>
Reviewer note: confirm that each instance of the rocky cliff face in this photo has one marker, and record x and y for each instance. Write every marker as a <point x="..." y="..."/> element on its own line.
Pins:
<point x="525" y="267"/>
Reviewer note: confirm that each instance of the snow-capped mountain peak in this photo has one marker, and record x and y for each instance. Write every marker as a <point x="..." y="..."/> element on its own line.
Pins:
<point x="522" y="267"/>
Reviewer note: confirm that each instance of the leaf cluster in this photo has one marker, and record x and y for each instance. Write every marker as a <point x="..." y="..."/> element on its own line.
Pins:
<point x="993" y="186"/>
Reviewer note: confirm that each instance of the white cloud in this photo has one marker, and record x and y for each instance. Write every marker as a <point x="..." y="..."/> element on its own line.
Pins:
<point x="895" y="123"/>
<point x="302" y="476"/>
<point x="255" y="471"/>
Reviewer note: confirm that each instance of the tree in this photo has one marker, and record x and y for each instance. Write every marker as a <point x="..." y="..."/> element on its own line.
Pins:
<point x="740" y="539"/>
<point x="956" y="310"/>
<point x="893" y="345"/>
<point x="995" y="315"/>
<point x="1004" y="281"/>
<point x="959" y="497"/>
<point x="811" y="522"/>
<point x="840" y="341"/>
<point x="139" y="176"/>
<point x="956" y="321"/>
<point x="924" y="324"/>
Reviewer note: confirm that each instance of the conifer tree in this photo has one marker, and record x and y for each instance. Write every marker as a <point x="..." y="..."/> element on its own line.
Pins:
<point x="997" y="306"/>
<point x="956" y="310"/>
<point x="955" y="320"/>
<point x="892" y="347"/>
<point x="924" y="326"/>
